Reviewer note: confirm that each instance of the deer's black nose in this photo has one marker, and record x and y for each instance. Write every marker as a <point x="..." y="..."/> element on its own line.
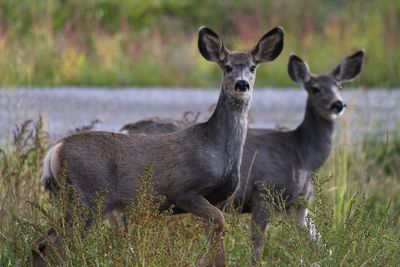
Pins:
<point x="242" y="86"/>
<point x="337" y="106"/>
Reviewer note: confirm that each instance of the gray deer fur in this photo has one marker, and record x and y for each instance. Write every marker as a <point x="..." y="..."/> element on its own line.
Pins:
<point x="158" y="125"/>
<point x="285" y="160"/>
<point x="194" y="169"/>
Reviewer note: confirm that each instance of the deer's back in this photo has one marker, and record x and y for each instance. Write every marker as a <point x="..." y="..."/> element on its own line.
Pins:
<point x="112" y="162"/>
<point x="153" y="126"/>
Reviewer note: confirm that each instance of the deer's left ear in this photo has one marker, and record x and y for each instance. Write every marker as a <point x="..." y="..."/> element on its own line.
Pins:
<point x="269" y="47"/>
<point x="349" y="68"/>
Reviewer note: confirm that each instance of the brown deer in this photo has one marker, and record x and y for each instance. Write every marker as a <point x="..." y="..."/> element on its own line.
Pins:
<point x="194" y="169"/>
<point x="285" y="160"/>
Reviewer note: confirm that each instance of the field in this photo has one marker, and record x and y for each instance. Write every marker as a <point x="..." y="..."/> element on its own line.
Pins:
<point x="356" y="210"/>
<point x="86" y="52"/>
<point x="141" y="43"/>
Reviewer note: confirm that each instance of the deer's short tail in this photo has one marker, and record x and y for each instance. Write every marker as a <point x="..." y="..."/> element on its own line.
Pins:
<point x="47" y="179"/>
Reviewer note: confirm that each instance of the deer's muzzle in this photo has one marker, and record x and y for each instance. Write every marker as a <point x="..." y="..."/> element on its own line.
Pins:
<point x="242" y="86"/>
<point x="338" y="106"/>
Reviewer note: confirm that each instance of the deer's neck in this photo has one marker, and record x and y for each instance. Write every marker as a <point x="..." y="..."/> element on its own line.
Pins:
<point x="315" y="136"/>
<point x="227" y="127"/>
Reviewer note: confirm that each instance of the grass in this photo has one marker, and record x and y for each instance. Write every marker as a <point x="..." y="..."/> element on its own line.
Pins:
<point x="356" y="210"/>
<point x="142" y="43"/>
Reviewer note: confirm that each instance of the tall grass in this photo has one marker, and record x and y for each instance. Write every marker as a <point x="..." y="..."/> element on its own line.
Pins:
<point x="355" y="209"/>
<point x="144" y="42"/>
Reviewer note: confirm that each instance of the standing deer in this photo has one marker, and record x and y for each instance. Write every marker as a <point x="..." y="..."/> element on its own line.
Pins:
<point x="160" y="125"/>
<point x="194" y="169"/>
<point x="285" y="160"/>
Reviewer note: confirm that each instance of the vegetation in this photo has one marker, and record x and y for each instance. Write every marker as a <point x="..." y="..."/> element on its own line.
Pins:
<point x="356" y="210"/>
<point x="142" y="42"/>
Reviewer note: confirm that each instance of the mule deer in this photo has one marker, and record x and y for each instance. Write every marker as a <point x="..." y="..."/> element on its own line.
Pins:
<point x="160" y="125"/>
<point x="285" y="160"/>
<point x="194" y="168"/>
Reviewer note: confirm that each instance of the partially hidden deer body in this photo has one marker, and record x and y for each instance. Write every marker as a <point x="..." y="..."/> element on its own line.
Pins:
<point x="158" y="125"/>
<point x="194" y="169"/>
<point x="285" y="160"/>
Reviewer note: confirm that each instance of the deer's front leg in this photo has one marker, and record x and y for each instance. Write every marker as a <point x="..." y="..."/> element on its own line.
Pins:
<point x="305" y="222"/>
<point x="260" y="216"/>
<point x="198" y="205"/>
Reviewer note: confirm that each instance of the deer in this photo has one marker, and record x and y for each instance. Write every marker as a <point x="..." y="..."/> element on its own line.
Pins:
<point x="193" y="169"/>
<point x="158" y="125"/>
<point x="285" y="160"/>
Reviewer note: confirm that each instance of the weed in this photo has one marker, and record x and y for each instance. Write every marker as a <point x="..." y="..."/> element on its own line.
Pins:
<point x="357" y="223"/>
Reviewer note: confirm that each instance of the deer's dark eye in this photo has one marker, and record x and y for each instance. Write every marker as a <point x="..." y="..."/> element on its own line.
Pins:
<point x="315" y="90"/>
<point x="252" y="69"/>
<point x="228" y="69"/>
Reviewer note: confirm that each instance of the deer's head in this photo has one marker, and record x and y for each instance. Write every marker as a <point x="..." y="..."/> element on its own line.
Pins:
<point x="324" y="91"/>
<point x="239" y="67"/>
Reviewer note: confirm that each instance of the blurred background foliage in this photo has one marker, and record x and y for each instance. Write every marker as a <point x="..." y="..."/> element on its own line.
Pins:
<point x="154" y="42"/>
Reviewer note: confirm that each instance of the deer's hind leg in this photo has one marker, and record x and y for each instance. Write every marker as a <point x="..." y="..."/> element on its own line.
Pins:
<point x="52" y="239"/>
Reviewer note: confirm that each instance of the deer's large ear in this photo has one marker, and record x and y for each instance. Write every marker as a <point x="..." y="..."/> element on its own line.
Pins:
<point x="349" y="68"/>
<point x="269" y="47"/>
<point x="298" y="69"/>
<point x="211" y="46"/>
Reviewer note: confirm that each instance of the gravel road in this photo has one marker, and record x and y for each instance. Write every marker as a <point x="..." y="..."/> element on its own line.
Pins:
<point x="64" y="109"/>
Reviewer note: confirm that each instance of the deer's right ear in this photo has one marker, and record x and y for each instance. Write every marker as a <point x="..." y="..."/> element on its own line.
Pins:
<point x="211" y="46"/>
<point x="298" y="70"/>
